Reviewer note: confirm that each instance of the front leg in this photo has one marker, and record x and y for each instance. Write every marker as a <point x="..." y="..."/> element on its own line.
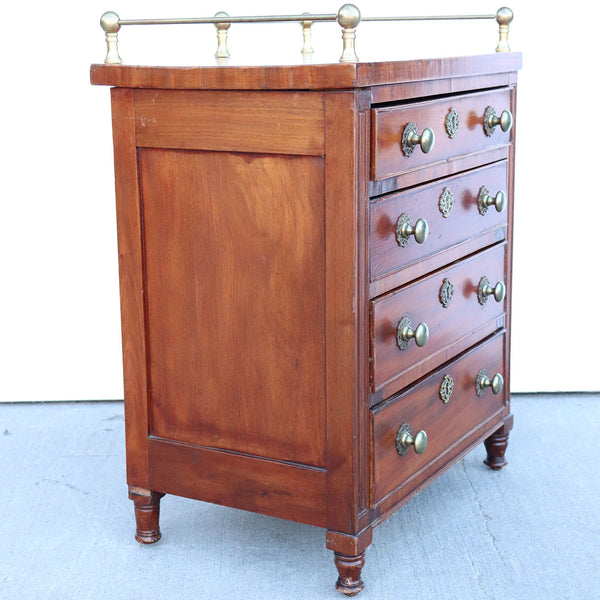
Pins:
<point x="349" y="581"/>
<point x="349" y="557"/>
<point x="147" y="512"/>
<point x="496" y="445"/>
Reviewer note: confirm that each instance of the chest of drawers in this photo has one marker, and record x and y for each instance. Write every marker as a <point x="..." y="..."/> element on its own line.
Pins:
<point x="315" y="270"/>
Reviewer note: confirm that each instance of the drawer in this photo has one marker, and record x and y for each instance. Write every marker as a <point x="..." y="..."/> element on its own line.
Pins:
<point x="448" y="406"/>
<point x="448" y="304"/>
<point x="452" y="211"/>
<point x="389" y="124"/>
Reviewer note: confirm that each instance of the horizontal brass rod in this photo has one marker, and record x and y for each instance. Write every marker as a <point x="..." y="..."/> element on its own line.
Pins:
<point x="216" y="20"/>
<point x="291" y="19"/>
<point x="430" y="18"/>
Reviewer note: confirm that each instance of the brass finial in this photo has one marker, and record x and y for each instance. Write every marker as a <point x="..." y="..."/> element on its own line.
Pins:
<point x="222" y="51"/>
<point x="348" y="17"/>
<point x="109" y="22"/>
<point x="306" y="36"/>
<point x="504" y="16"/>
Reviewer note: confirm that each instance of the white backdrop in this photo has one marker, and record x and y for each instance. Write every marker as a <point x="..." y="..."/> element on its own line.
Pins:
<point x="59" y="308"/>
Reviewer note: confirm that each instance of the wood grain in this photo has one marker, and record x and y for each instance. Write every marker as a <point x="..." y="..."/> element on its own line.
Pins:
<point x="268" y="122"/>
<point x="451" y="329"/>
<point x="409" y="489"/>
<point x="463" y="222"/>
<point x="133" y="326"/>
<point x="303" y="77"/>
<point x="268" y="487"/>
<point x="436" y="87"/>
<point x="346" y="143"/>
<point x="436" y="170"/>
<point x="234" y="262"/>
<point x="389" y="122"/>
<point x="445" y="424"/>
<point x="262" y="286"/>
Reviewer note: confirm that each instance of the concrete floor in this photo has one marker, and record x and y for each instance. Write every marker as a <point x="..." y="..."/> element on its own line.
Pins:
<point x="531" y="531"/>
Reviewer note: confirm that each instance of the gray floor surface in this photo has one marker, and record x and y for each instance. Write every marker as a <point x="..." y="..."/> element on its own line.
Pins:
<point x="531" y="531"/>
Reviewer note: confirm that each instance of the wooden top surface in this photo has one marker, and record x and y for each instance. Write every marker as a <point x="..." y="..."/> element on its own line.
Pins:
<point x="303" y="77"/>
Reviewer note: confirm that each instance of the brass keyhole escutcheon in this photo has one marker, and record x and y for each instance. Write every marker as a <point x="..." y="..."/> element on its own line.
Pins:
<point x="446" y="293"/>
<point x="451" y="123"/>
<point x="446" y="202"/>
<point x="446" y="388"/>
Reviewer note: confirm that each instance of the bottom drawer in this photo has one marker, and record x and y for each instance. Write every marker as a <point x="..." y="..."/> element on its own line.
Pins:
<point x="447" y="405"/>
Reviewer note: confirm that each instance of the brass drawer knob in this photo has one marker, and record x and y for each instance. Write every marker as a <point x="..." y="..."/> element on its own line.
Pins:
<point x="491" y="120"/>
<point x="406" y="333"/>
<point x="405" y="439"/>
<point x="404" y="229"/>
<point x="486" y="290"/>
<point x="411" y="139"/>
<point x="483" y="382"/>
<point x="486" y="200"/>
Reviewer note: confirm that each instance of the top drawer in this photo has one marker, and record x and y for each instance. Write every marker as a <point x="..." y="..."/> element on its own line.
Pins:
<point x="457" y="124"/>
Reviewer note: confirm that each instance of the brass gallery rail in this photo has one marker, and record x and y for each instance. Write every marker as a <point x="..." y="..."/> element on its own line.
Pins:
<point x="348" y="17"/>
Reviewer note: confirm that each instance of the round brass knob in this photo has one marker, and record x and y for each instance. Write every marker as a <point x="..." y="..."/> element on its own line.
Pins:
<point x="406" y="333"/>
<point x="505" y="121"/>
<point x="411" y="139"/>
<point x="486" y="290"/>
<point x="491" y="120"/>
<point x="483" y="382"/>
<point x="404" y="229"/>
<point x="405" y="439"/>
<point x="486" y="200"/>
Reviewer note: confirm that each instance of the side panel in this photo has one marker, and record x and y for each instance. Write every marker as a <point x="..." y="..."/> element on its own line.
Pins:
<point x="277" y="122"/>
<point x="234" y="268"/>
<point x="264" y="486"/>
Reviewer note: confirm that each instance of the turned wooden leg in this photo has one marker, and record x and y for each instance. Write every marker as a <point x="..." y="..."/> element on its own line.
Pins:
<point x="147" y="512"/>
<point x="349" y="556"/>
<point x="349" y="581"/>
<point x="496" y="447"/>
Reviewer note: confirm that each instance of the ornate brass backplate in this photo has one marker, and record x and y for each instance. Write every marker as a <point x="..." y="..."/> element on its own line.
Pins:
<point x="489" y="114"/>
<point x="452" y="122"/>
<point x="446" y="293"/>
<point x="402" y="239"/>
<point x="484" y="192"/>
<point x="409" y="131"/>
<point x="481" y="377"/>
<point x="405" y="428"/>
<point x="446" y="202"/>
<point x="446" y="389"/>
<point x="402" y="343"/>
<point x="484" y="284"/>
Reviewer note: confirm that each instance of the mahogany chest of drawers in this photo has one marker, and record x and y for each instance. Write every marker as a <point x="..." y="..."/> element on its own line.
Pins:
<point x="315" y="269"/>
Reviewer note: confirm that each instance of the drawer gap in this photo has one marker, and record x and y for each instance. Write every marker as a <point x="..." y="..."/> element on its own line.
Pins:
<point x="375" y="197"/>
<point x="446" y="266"/>
<point x="414" y="100"/>
<point x="379" y="405"/>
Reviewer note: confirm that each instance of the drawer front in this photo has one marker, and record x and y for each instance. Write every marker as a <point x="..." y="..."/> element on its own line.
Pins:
<point x="452" y="210"/>
<point x="390" y="123"/>
<point x="447" y="302"/>
<point x="448" y="405"/>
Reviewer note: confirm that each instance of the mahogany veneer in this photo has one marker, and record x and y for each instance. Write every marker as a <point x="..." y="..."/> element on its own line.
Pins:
<point x="262" y="285"/>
